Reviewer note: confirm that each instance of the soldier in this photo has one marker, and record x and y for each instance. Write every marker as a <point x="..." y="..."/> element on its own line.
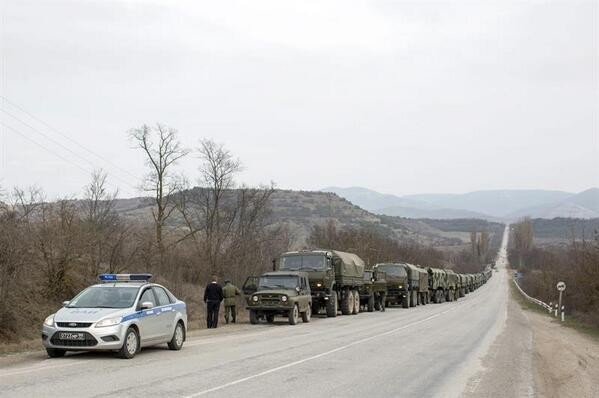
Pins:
<point x="213" y="295"/>
<point x="229" y="292"/>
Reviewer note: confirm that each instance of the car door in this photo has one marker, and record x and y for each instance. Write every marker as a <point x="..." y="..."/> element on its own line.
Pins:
<point x="166" y="314"/>
<point x="149" y="322"/>
<point x="250" y="287"/>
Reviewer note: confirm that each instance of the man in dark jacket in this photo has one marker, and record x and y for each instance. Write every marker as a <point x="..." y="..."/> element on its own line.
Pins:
<point x="213" y="295"/>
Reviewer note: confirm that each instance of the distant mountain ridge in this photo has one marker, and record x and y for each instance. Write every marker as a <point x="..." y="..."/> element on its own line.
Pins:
<point x="491" y="205"/>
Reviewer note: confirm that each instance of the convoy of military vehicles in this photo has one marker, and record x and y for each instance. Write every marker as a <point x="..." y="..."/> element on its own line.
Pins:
<point x="308" y="282"/>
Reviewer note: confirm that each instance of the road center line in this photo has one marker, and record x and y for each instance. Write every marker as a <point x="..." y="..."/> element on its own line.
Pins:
<point x="301" y="361"/>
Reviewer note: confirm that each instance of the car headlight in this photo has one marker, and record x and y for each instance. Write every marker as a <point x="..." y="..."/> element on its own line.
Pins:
<point x="283" y="298"/>
<point x="255" y="299"/>
<point x="108" y="322"/>
<point x="49" y="320"/>
<point x="318" y="284"/>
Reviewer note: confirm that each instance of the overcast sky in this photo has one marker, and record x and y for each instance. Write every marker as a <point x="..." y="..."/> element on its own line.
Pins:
<point x="398" y="96"/>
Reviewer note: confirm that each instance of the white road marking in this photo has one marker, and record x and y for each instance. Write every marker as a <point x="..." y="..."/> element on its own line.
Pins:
<point x="301" y="361"/>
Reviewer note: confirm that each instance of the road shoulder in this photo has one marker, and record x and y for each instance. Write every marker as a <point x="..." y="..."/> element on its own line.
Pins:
<point x="566" y="362"/>
<point x="507" y="368"/>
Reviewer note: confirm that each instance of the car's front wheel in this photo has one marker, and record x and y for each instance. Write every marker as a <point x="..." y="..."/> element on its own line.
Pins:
<point x="130" y="345"/>
<point x="178" y="338"/>
<point x="55" y="352"/>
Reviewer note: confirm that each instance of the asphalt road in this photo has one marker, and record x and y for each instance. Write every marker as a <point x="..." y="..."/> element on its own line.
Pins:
<point x="427" y="351"/>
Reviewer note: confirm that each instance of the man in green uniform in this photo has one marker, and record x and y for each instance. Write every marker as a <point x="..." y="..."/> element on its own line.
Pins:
<point x="229" y="293"/>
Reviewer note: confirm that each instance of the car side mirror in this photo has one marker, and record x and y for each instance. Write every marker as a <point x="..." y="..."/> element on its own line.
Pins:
<point x="65" y="303"/>
<point x="146" y="305"/>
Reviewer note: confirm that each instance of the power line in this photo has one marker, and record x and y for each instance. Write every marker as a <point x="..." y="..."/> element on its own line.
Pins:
<point x="67" y="137"/>
<point x="43" y="147"/>
<point x="61" y="145"/>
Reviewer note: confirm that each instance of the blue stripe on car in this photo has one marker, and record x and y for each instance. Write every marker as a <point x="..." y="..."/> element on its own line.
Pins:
<point x="144" y="313"/>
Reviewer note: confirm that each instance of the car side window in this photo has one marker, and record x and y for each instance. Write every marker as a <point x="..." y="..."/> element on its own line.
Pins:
<point x="148" y="295"/>
<point x="163" y="298"/>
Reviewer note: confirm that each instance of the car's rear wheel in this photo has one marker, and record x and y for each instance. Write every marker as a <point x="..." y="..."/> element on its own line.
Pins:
<point x="55" y="352"/>
<point x="178" y="338"/>
<point x="306" y="315"/>
<point x="130" y="345"/>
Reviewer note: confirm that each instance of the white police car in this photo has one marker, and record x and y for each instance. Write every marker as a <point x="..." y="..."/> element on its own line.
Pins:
<point x="124" y="314"/>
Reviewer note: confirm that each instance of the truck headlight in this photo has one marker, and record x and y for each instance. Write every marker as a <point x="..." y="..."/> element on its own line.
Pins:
<point x="319" y="284"/>
<point x="283" y="298"/>
<point x="109" y="322"/>
<point x="255" y="299"/>
<point x="49" y="320"/>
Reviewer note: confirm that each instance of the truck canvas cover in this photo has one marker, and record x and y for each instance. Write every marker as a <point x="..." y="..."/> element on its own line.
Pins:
<point x="350" y="266"/>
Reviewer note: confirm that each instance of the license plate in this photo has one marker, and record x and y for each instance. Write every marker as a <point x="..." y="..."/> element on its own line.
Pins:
<point x="71" y="336"/>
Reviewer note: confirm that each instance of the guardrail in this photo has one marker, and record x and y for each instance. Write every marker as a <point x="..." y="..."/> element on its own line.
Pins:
<point x="532" y="299"/>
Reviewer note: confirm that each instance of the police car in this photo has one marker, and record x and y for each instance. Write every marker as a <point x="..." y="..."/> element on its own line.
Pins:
<point x="123" y="313"/>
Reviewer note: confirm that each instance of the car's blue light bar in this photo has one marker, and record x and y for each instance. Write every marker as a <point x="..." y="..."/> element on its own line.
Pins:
<point x="124" y="277"/>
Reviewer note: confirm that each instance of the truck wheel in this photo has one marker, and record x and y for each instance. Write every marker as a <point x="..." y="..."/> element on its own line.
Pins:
<point x="413" y="299"/>
<point x="293" y="315"/>
<point x="405" y="302"/>
<point x="332" y="305"/>
<point x="371" y="302"/>
<point x="55" y="352"/>
<point x="253" y="317"/>
<point x="356" y="302"/>
<point x="347" y="302"/>
<point x="270" y="318"/>
<point x="306" y="315"/>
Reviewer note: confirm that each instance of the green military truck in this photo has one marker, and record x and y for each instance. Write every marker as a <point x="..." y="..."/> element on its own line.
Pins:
<point x="374" y="291"/>
<point x="453" y="280"/>
<point x="463" y="284"/>
<point x="418" y="278"/>
<point x="437" y="284"/>
<point x="397" y="284"/>
<point x="280" y="294"/>
<point x="335" y="278"/>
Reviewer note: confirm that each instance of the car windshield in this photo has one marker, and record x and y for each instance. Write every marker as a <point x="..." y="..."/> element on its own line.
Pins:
<point x="105" y="297"/>
<point x="392" y="269"/>
<point x="303" y="263"/>
<point x="278" y="282"/>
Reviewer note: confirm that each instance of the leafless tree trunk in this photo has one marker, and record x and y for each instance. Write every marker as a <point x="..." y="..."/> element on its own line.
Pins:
<point x="162" y="150"/>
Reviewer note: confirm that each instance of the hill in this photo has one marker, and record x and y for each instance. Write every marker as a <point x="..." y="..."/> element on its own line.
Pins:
<point x="301" y="210"/>
<point x="583" y="205"/>
<point x="491" y="205"/>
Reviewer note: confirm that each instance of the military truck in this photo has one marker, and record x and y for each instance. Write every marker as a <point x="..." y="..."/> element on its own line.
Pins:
<point x="335" y="278"/>
<point x="374" y="291"/>
<point x="418" y="278"/>
<point x="281" y="294"/>
<point x="463" y="285"/>
<point x="451" y="294"/>
<point x="397" y="284"/>
<point x="437" y="284"/>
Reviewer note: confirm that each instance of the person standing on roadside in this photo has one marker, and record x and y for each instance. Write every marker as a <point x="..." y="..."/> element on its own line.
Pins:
<point x="213" y="295"/>
<point x="229" y="292"/>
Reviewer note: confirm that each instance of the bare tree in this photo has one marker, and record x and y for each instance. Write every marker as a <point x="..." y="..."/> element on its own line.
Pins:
<point x="162" y="150"/>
